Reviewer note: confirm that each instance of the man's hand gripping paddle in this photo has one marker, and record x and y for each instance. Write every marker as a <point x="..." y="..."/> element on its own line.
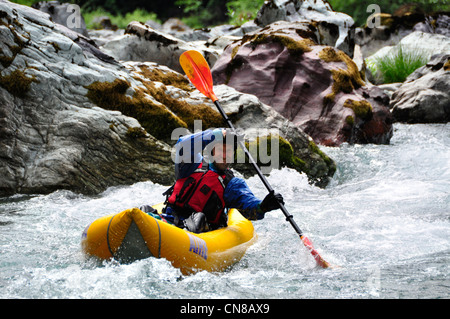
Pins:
<point x="198" y="72"/>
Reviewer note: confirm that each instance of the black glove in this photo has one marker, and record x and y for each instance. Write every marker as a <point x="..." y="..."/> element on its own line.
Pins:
<point x="196" y="223"/>
<point x="271" y="201"/>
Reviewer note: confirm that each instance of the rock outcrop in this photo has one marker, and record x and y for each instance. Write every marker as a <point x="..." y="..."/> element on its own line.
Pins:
<point x="386" y="29"/>
<point x="317" y="87"/>
<point x="425" y="95"/>
<point x="52" y="137"/>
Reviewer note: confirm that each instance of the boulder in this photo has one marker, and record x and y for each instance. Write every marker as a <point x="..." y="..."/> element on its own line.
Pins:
<point x="335" y="28"/>
<point x="316" y="87"/>
<point x="103" y="36"/>
<point x="174" y="25"/>
<point x="103" y="23"/>
<point x="425" y="95"/>
<point x="164" y="45"/>
<point x="144" y="44"/>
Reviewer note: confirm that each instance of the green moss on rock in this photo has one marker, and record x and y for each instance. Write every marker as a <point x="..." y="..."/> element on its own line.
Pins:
<point x="350" y="120"/>
<point x="155" y="118"/>
<point x="160" y="116"/>
<point x="11" y="24"/>
<point x="329" y="54"/>
<point x="313" y="162"/>
<point x="167" y="78"/>
<point x="330" y="163"/>
<point x="362" y="109"/>
<point x="17" y="83"/>
<point x="344" y="80"/>
<point x="188" y="113"/>
<point x="136" y="132"/>
<point x="447" y="65"/>
<point x="295" y="47"/>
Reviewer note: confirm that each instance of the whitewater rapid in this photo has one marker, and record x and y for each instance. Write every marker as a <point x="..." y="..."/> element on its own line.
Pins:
<point x="384" y="220"/>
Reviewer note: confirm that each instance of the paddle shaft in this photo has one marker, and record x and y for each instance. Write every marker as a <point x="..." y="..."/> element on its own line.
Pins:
<point x="289" y="217"/>
<point x="197" y="69"/>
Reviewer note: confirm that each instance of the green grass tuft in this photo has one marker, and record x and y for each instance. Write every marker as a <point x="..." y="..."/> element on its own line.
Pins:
<point x="398" y="65"/>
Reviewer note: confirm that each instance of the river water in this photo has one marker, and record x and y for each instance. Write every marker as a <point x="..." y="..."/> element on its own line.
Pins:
<point x="384" y="220"/>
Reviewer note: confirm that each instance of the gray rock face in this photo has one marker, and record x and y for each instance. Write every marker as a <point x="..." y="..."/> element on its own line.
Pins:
<point x="425" y="95"/>
<point x="393" y="28"/>
<point x="419" y="43"/>
<point x="144" y="44"/>
<point x="438" y="25"/>
<point x="52" y="136"/>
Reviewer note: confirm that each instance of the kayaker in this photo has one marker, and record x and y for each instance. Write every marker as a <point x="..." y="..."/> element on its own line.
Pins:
<point x="206" y="187"/>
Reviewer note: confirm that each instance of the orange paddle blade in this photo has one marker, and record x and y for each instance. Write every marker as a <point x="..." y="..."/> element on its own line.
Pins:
<point x="198" y="72"/>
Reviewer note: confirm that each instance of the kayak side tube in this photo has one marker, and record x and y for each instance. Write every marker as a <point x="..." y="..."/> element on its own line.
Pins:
<point x="132" y="235"/>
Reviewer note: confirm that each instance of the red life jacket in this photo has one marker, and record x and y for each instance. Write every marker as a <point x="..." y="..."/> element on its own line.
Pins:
<point x="202" y="191"/>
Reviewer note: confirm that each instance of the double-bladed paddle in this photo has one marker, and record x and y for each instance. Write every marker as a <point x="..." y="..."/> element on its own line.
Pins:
<point x="199" y="73"/>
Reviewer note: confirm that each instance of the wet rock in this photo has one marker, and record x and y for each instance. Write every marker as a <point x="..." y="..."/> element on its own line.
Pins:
<point x="317" y="87"/>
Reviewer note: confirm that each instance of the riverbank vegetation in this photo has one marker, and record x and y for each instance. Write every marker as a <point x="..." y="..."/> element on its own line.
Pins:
<point x="206" y="13"/>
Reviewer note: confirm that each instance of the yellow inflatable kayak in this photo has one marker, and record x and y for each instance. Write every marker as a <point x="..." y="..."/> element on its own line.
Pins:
<point x="133" y="234"/>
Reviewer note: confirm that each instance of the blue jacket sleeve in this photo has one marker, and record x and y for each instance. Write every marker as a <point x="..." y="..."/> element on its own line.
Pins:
<point x="188" y="151"/>
<point x="238" y="195"/>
